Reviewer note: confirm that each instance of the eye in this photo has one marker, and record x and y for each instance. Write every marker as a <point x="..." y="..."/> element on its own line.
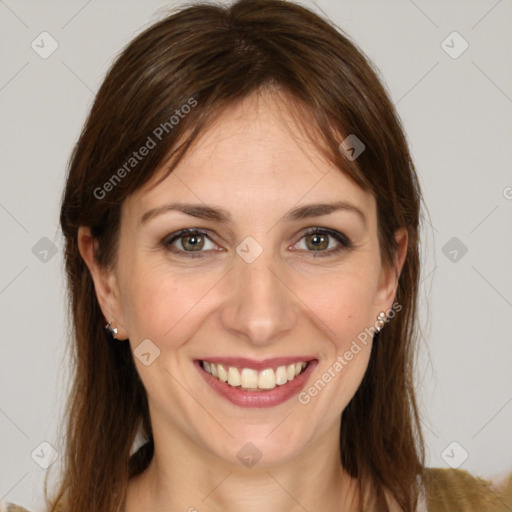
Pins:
<point x="317" y="241"/>
<point x="191" y="241"/>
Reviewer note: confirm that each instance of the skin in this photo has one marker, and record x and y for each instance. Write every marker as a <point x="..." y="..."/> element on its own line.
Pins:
<point x="254" y="162"/>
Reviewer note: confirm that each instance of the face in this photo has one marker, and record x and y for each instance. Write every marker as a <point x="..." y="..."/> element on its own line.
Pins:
<point x="270" y="286"/>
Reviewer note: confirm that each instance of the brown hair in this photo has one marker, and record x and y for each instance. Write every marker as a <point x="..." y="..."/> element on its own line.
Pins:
<point x="209" y="56"/>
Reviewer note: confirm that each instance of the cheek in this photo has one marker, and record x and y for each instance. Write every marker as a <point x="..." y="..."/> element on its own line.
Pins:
<point x="157" y="300"/>
<point x="344" y="304"/>
<point x="342" y="300"/>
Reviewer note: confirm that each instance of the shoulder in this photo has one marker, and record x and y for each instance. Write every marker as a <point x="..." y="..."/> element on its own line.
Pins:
<point x="11" y="507"/>
<point x="457" y="489"/>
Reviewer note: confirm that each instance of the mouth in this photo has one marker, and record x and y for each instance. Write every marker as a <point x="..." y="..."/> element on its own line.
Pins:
<point x="250" y="379"/>
<point x="250" y="383"/>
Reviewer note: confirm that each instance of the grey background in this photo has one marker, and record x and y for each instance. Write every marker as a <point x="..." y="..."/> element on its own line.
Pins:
<point x="456" y="112"/>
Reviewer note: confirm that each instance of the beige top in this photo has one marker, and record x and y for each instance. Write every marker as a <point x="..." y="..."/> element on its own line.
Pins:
<point x="457" y="490"/>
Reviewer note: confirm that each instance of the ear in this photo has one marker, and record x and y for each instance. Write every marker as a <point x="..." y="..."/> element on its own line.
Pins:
<point x="105" y="282"/>
<point x="388" y="281"/>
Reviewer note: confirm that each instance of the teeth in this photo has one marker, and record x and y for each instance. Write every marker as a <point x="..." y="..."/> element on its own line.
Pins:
<point x="251" y="379"/>
<point x="233" y="376"/>
<point x="223" y="374"/>
<point x="267" y="379"/>
<point x="281" y="376"/>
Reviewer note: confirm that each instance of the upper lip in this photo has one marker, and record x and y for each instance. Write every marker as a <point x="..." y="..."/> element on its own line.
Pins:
<point x="243" y="362"/>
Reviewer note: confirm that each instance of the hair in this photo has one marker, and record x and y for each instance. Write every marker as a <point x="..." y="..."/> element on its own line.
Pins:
<point x="210" y="56"/>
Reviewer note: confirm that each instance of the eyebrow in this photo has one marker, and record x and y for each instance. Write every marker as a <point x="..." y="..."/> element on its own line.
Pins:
<point x="202" y="211"/>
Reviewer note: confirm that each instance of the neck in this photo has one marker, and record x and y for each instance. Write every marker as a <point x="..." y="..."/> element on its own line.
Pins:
<point x="183" y="476"/>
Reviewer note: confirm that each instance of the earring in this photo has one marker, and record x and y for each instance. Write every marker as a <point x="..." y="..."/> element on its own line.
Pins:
<point x="380" y="321"/>
<point x="112" y="331"/>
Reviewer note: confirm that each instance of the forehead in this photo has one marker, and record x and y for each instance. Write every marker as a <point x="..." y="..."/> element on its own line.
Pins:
<point x="257" y="156"/>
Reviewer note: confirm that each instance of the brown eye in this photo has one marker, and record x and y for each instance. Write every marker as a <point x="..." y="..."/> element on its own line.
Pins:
<point x="317" y="241"/>
<point x="192" y="242"/>
<point x="188" y="241"/>
<point x="325" y="242"/>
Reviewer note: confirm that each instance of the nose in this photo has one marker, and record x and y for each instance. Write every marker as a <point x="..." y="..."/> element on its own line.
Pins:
<point x="261" y="306"/>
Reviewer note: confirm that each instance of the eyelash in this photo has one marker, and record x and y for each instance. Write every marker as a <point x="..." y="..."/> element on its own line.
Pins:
<point x="344" y="242"/>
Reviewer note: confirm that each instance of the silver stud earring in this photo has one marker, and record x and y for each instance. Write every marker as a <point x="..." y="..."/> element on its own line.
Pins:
<point x="380" y="321"/>
<point x="112" y="330"/>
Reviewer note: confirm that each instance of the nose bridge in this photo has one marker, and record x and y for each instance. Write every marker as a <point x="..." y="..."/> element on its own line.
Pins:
<point x="260" y="306"/>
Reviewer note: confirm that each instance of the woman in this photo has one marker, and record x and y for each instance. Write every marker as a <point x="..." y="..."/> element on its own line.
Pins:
<point x="241" y="219"/>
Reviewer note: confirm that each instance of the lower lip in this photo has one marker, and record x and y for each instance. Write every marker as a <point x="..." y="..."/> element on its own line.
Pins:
<point x="269" y="398"/>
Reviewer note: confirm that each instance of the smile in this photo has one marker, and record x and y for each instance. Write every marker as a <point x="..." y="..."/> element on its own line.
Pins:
<point x="252" y="379"/>
<point x="249" y="383"/>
